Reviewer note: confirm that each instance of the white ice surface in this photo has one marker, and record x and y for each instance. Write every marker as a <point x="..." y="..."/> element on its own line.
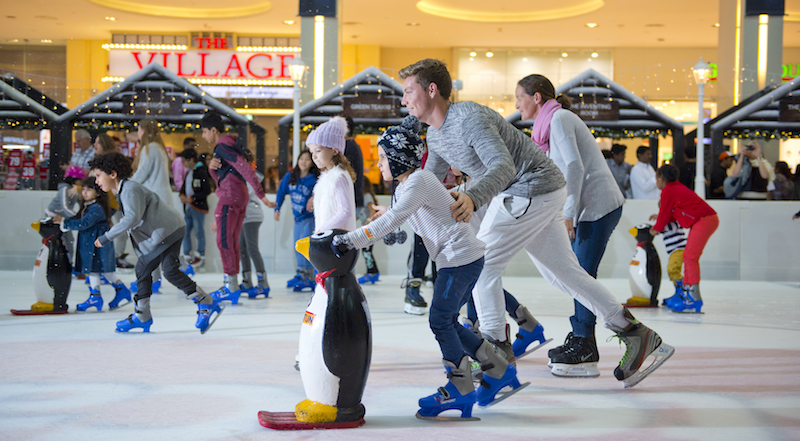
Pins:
<point x="735" y="374"/>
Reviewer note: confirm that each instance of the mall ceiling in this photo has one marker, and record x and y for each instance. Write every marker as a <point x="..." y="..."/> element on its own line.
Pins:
<point x="393" y="23"/>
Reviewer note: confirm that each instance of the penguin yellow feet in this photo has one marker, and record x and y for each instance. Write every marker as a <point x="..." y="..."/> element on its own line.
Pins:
<point x="42" y="307"/>
<point x="637" y="301"/>
<point x="313" y="412"/>
<point x="313" y="415"/>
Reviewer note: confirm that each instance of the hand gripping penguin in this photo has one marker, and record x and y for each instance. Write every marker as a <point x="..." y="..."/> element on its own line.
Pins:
<point x="335" y="344"/>
<point x="645" y="270"/>
<point x="52" y="272"/>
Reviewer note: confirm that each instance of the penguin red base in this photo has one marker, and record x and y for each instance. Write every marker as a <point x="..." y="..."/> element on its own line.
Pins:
<point x="287" y="421"/>
<point x="31" y="312"/>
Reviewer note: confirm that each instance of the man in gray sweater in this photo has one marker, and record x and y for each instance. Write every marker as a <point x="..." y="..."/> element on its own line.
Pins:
<point x="525" y="193"/>
<point x="156" y="231"/>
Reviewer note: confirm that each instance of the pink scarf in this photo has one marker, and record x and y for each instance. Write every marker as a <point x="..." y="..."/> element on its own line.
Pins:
<point x="541" y="126"/>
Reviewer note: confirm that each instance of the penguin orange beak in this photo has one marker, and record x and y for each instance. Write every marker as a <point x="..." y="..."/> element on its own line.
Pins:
<point x="634" y="231"/>
<point x="302" y="246"/>
<point x="36" y="226"/>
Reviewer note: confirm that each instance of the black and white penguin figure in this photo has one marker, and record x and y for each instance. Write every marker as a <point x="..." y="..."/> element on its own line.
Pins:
<point x="645" y="269"/>
<point x="335" y="339"/>
<point x="52" y="272"/>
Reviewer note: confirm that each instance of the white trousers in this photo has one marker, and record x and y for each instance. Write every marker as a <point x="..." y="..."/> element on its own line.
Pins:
<point x="513" y="223"/>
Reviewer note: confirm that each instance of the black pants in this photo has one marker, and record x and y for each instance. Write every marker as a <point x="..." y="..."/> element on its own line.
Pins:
<point x="170" y="266"/>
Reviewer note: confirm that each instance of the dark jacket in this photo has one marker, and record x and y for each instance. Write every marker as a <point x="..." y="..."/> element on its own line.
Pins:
<point x="201" y="187"/>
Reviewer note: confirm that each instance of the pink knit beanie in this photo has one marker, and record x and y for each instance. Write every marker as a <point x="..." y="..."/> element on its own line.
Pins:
<point x="330" y="134"/>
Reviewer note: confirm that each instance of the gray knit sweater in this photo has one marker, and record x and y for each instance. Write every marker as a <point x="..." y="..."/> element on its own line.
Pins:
<point x="478" y="141"/>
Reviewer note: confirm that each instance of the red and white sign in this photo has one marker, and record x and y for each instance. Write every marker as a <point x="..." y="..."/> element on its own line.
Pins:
<point x="43" y="173"/>
<point x="11" y="180"/>
<point x="128" y="148"/>
<point x="15" y="159"/>
<point x="28" y="169"/>
<point x="222" y="64"/>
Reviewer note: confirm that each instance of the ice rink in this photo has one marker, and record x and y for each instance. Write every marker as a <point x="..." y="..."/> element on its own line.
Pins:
<point x="735" y="374"/>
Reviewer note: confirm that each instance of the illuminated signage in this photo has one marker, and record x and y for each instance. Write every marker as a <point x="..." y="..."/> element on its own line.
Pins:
<point x="205" y="64"/>
<point x="790" y="72"/>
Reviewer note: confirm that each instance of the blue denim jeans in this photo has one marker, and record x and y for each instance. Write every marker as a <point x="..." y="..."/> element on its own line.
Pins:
<point x="194" y="220"/>
<point x="303" y="228"/>
<point x="451" y="290"/>
<point x="591" y="239"/>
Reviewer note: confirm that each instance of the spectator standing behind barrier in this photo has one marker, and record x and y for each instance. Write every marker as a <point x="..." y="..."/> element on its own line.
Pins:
<point x="716" y="188"/>
<point x="754" y="173"/>
<point x="83" y="151"/>
<point x="784" y="187"/>
<point x="643" y="176"/>
<point x="194" y="193"/>
<point x="178" y="169"/>
<point x="689" y="168"/>
<point x="620" y="169"/>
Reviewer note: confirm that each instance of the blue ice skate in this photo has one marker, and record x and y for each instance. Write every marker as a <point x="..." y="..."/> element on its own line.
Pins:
<point x="457" y="394"/>
<point x="306" y="283"/>
<point x="205" y="314"/>
<point x="226" y="295"/>
<point x="369" y="278"/>
<point x="94" y="301"/>
<point x="123" y="293"/>
<point x="133" y="322"/>
<point x="528" y="333"/>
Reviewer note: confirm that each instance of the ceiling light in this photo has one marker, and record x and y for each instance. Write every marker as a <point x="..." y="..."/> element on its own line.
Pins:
<point x="524" y="59"/>
<point x="564" y="54"/>
<point x="716" y="25"/>
<point x="47" y="41"/>
<point x="288" y="22"/>
<point x="489" y="54"/>
<point x="595" y="54"/>
<point x="591" y="25"/>
<point x="412" y="24"/>
<point x="473" y="54"/>
<point x="110" y="18"/>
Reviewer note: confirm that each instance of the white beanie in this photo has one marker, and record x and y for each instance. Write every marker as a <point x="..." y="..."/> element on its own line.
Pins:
<point x="330" y="134"/>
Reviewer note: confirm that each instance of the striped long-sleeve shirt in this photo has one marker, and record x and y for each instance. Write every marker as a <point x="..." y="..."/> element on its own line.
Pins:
<point x="425" y="203"/>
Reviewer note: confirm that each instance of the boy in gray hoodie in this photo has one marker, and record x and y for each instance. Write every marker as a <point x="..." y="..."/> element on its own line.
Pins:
<point x="156" y="231"/>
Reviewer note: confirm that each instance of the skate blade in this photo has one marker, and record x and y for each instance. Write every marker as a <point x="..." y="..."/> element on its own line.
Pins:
<point x="661" y="354"/>
<point x="216" y="316"/>
<point x="93" y="311"/>
<point x="414" y="310"/>
<point x="503" y="395"/>
<point x="446" y="418"/>
<point x="120" y="305"/>
<point x="584" y="370"/>
<point x="534" y="348"/>
<point x="685" y="312"/>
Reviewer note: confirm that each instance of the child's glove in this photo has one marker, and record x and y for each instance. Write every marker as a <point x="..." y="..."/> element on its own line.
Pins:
<point x="340" y="244"/>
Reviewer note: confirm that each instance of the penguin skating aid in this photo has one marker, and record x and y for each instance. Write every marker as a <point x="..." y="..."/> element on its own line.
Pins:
<point x="645" y="270"/>
<point x="52" y="273"/>
<point x="335" y="344"/>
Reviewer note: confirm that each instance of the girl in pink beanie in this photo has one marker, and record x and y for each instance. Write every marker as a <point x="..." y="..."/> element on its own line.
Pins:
<point x="334" y="198"/>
